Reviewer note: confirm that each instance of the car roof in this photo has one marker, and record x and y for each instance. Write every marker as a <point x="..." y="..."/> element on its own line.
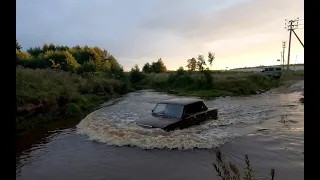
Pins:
<point x="181" y="101"/>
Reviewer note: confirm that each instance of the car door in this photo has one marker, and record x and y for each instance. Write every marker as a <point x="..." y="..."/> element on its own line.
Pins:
<point x="190" y="118"/>
<point x="196" y="113"/>
<point x="200" y="112"/>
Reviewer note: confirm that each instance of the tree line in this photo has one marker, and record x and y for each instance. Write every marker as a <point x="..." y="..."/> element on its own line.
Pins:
<point x="86" y="60"/>
<point x="193" y="64"/>
<point x="77" y="59"/>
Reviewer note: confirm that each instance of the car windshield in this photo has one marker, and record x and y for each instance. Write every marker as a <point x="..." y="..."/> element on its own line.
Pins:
<point x="171" y="110"/>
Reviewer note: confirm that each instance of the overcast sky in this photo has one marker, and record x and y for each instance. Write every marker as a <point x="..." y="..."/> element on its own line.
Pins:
<point x="240" y="32"/>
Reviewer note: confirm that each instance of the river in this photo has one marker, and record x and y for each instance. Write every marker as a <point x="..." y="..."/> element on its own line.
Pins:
<point x="107" y="144"/>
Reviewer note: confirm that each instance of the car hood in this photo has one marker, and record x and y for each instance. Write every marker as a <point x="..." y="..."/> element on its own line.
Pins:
<point x="156" y="122"/>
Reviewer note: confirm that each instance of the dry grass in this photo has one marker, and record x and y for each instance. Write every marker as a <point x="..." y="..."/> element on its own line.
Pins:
<point x="229" y="171"/>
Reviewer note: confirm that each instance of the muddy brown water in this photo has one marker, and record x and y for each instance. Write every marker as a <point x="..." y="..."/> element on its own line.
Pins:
<point x="107" y="144"/>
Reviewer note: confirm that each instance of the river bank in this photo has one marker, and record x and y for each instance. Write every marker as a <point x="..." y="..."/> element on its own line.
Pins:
<point x="215" y="84"/>
<point x="106" y="143"/>
<point x="46" y="95"/>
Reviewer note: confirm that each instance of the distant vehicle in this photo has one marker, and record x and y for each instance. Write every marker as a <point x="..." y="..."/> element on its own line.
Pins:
<point x="178" y="114"/>
<point x="274" y="72"/>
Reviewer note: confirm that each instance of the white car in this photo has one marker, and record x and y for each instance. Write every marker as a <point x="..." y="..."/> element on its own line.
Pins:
<point x="274" y="72"/>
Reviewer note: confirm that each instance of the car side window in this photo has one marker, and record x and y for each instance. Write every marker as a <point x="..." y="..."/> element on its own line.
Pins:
<point x="203" y="107"/>
<point x="195" y="108"/>
<point x="188" y="110"/>
<point x="160" y="108"/>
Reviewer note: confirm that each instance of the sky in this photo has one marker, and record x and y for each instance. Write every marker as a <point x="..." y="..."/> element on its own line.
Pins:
<point x="241" y="33"/>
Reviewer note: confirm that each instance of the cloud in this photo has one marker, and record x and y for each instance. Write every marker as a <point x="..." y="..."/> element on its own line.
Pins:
<point x="143" y="30"/>
<point x="237" y="19"/>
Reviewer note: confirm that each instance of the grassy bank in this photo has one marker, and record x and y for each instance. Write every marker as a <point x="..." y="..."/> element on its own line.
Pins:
<point x="213" y="83"/>
<point x="46" y="95"/>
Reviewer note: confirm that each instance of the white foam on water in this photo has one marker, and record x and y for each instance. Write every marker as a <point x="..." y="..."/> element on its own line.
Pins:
<point x="115" y="124"/>
<point x="119" y="129"/>
<point x="112" y="130"/>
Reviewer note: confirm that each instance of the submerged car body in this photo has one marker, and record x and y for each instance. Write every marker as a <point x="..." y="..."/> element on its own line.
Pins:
<point x="178" y="114"/>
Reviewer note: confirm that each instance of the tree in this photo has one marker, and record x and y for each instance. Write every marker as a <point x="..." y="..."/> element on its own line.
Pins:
<point x="51" y="47"/>
<point x="135" y="68"/>
<point x="158" y="67"/>
<point x="180" y="71"/>
<point x="114" y="64"/>
<point x="45" y="47"/>
<point x="163" y="68"/>
<point x="18" y="46"/>
<point x="22" y="56"/>
<point x="192" y="64"/>
<point x="87" y="67"/>
<point x="211" y="57"/>
<point x="136" y="75"/>
<point x="60" y="59"/>
<point x="36" y="51"/>
<point x="201" y="63"/>
<point x="88" y="59"/>
<point x="70" y="63"/>
<point x="146" y="68"/>
<point x="106" y="66"/>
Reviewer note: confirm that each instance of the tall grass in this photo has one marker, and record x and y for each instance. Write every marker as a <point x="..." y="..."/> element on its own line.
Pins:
<point x="44" y="94"/>
<point x="292" y="75"/>
<point x="209" y="85"/>
<point x="229" y="171"/>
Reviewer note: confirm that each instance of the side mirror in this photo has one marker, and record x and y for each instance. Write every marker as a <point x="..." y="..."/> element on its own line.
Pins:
<point x="152" y="110"/>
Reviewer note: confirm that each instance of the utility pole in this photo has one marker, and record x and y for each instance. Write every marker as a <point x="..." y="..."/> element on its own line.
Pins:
<point x="291" y="26"/>
<point x="283" y="50"/>
<point x="298" y="38"/>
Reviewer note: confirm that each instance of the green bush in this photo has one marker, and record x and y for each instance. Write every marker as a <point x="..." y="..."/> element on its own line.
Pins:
<point x="87" y="67"/>
<point x="135" y="75"/>
<point x="72" y="109"/>
<point x="208" y="84"/>
<point x="57" y="93"/>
